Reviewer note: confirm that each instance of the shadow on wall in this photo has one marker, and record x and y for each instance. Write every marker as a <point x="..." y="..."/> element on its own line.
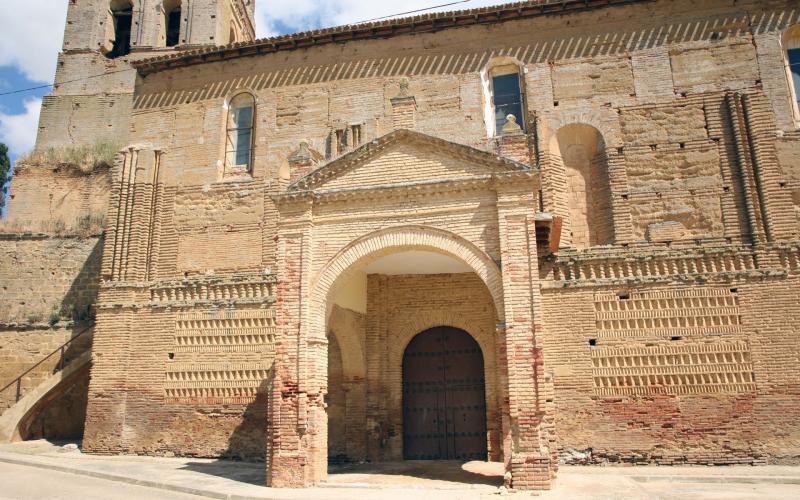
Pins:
<point x="247" y="443"/>
<point x="61" y="414"/>
<point x="580" y="42"/>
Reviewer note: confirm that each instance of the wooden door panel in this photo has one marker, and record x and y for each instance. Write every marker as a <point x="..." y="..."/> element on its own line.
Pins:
<point x="444" y="407"/>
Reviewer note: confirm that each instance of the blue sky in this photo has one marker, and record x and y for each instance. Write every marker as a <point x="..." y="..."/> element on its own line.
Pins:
<point x="31" y="33"/>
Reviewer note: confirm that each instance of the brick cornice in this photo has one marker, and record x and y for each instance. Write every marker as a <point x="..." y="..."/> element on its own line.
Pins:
<point x="376" y="30"/>
<point x="426" y="188"/>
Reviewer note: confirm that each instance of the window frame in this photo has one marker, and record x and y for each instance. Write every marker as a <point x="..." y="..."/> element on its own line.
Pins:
<point x="521" y="121"/>
<point x="228" y="148"/>
<point x="791" y="41"/>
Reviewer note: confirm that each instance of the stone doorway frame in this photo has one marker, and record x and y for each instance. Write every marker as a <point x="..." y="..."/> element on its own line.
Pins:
<point x="297" y="427"/>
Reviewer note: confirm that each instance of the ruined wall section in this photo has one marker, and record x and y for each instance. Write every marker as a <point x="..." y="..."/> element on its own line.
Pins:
<point x="58" y="199"/>
<point x="49" y="288"/>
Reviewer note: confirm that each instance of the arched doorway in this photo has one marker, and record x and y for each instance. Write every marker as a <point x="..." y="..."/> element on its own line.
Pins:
<point x="444" y="403"/>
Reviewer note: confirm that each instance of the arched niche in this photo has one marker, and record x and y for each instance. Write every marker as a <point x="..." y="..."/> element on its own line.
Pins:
<point x="580" y="156"/>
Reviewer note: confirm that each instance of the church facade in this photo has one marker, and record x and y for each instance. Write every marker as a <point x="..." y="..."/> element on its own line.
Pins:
<point x="535" y="233"/>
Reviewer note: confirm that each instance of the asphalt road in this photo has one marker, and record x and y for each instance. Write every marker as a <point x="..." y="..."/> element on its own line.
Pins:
<point x="18" y="482"/>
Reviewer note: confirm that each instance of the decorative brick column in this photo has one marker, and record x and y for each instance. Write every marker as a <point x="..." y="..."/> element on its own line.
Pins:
<point x="528" y="428"/>
<point x="297" y="421"/>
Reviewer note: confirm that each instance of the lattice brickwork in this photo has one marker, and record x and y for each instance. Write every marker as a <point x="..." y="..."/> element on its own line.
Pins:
<point x="682" y="312"/>
<point x="246" y="336"/>
<point x="247" y="331"/>
<point x="673" y="369"/>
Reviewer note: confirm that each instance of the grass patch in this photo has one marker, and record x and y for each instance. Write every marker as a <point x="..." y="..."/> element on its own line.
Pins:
<point x="85" y="158"/>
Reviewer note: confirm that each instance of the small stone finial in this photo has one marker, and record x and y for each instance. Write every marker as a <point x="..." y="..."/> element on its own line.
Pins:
<point x="511" y="126"/>
<point x="304" y="154"/>
<point x="404" y="83"/>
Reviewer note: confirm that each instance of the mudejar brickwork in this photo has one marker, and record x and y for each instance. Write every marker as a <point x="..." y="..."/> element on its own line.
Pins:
<point x="536" y="233"/>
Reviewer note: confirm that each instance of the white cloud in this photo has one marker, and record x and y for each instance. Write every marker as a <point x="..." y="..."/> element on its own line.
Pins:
<point x="303" y="15"/>
<point x="19" y="131"/>
<point x="31" y="36"/>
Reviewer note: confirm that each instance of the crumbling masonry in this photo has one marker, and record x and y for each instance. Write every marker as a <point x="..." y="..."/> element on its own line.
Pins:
<point x="578" y="222"/>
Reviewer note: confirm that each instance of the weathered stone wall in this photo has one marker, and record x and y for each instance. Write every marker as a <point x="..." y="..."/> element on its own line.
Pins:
<point x="674" y="374"/>
<point x="49" y="288"/>
<point x="69" y="267"/>
<point x="58" y="199"/>
<point x="21" y="347"/>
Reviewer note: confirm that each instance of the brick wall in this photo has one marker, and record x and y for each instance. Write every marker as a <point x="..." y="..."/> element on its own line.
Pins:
<point x="677" y="186"/>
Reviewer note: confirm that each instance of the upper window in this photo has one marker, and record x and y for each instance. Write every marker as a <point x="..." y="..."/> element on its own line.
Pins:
<point x="507" y="96"/>
<point x="792" y="45"/>
<point x="172" y="22"/>
<point x="122" y="20"/>
<point x="239" y="141"/>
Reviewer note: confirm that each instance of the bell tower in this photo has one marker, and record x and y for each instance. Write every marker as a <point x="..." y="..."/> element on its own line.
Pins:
<point x="102" y="37"/>
<point x="87" y="114"/>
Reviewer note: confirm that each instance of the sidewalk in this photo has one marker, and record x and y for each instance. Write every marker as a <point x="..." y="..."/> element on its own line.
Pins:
<point x="474" y="481"/>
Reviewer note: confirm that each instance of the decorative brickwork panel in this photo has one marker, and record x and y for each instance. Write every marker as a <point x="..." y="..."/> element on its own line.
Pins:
<point x="659" y="313"/>
<point x="680" y="369"/>
<point x="228" y="357"/>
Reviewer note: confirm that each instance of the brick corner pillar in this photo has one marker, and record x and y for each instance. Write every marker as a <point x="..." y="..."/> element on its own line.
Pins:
<point x="404" y="108"/>
<point x="529" y="424"/>
<point x="515" y="146"/>
<point x="296" y="419"/>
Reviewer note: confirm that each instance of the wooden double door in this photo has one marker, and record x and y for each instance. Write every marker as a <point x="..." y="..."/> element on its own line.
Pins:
<point x="444" y="402"/>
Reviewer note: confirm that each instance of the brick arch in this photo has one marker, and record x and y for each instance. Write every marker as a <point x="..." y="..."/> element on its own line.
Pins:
<point x="391" y="240"/>
<point x="606" y="122"/>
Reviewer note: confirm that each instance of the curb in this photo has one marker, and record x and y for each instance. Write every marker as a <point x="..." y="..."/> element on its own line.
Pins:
<point x="719" y="479"/>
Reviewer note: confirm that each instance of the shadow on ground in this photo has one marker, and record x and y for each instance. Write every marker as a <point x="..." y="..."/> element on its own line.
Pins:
<point x="243" y="472"/>
<point x="407" y="473"/>
<point x="412" y="471"/>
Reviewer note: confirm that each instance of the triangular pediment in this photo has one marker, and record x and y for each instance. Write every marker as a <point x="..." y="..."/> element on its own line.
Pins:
<point x="405" y="157"/>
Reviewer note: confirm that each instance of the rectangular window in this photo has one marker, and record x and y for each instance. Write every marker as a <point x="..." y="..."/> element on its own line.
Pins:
<point x="122" y="33"/>
<point x="507" y="100"/>
<point x="355" y="134"/>
<point x="793" y="56"/>
<point x="173" y="27"/>
<point x="341" y="141"/>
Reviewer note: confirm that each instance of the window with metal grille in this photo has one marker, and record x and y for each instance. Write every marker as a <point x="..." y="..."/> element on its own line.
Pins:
<point x="240" y="127"/>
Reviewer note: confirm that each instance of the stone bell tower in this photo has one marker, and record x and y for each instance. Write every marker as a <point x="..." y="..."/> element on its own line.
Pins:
<point x="102" y="37"/>
<point x="85" y="118"/>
